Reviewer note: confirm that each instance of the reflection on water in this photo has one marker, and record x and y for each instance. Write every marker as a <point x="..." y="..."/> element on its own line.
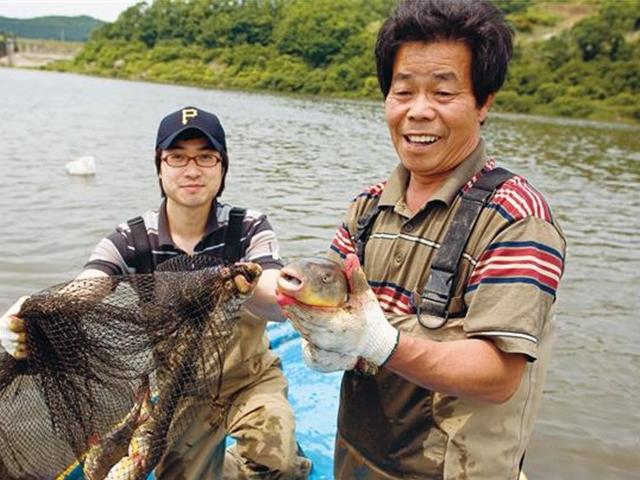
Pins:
<point x="302" y="161"/>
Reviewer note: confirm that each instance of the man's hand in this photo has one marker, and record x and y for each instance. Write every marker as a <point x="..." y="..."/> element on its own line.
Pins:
<point x="359" y="328"/>
<point x="12" y="334"/>
<point x="244" y="286"/>
<point x="325" y="361"/>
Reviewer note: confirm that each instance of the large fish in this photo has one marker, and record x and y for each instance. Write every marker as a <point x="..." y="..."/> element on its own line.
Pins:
<point x="316" y="288"/>
<point x="107" y="451"/>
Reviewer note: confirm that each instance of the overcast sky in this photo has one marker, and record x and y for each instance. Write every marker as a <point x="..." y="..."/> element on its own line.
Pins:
<point x="107" y="10"/>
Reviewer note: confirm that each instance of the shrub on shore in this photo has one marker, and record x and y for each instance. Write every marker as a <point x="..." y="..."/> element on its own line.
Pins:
<point x="326" y="47"/>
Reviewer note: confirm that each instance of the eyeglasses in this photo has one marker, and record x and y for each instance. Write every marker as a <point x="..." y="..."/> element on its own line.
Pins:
<point x="204" y="160"/>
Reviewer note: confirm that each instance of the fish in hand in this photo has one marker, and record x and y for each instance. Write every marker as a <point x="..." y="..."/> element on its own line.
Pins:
<point x="325" y="304"/>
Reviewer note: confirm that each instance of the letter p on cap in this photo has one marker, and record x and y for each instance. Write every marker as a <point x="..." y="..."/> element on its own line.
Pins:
<point x="188" y="113"/>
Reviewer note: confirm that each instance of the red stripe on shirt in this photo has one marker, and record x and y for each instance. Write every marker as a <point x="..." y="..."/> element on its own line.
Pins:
<point x="393" y="301"/>
<point x="342" y="241"/>
<point x="521" y="200"/>
<point x="529" y="262"/>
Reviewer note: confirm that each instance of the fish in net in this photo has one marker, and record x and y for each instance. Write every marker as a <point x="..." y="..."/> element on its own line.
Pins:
<point x="115" y="366"/>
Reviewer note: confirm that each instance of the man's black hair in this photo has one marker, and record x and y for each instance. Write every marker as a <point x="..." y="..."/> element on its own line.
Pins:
<point x="477" y="23"/>
<point x="190" y="134"/>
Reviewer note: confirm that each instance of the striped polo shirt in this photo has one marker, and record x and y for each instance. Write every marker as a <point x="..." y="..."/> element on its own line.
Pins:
<point x="510" y="270"/>
<point x="115" y="253"/>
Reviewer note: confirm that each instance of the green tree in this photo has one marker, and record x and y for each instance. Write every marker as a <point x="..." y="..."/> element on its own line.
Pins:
<point x="603" y="35"/>
<point x="318" y="34"/>
<point x="547" y="92"/>
<point x="132" y="25"/>
<point x="525" y="79"/>
<point x="556" y="51"/>
<point x="227" y="24"/>
<point x="512" y="6"/>
<point x="326" y="47"/>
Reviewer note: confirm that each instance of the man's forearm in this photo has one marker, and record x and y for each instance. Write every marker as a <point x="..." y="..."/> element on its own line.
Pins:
<point x="82" y="285"/>
<point x="473" y="368"/>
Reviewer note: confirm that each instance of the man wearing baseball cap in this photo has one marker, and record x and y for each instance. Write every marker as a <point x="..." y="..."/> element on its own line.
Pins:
<point x="192" y="162"/>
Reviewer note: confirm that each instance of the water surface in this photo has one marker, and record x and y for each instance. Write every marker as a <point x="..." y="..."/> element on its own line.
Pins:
<point x="302" y="161"/>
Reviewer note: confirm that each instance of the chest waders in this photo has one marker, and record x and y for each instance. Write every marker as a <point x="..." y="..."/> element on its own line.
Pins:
<point x="233" y="251"/>
<point x="399" y="414"/>
<point x="143" y="259"/>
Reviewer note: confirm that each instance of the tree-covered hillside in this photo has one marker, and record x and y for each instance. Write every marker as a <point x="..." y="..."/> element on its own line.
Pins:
<point x="575" y="58"/>
<point x="73" y="29"/>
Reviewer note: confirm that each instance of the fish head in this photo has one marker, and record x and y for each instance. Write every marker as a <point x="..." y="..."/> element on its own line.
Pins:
<point x="315" y="281"/>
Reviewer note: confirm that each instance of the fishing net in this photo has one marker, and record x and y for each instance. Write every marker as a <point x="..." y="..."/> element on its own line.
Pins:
<point x="114" y="365"/>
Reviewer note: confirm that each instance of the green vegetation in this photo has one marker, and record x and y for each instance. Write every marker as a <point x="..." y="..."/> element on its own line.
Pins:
<point x="574" y="58"/>
<point x="590" y="69"/>
<point x="73" y="29"/>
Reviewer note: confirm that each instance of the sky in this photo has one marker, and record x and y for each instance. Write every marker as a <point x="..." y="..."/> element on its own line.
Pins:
<point x="107" y="10"/>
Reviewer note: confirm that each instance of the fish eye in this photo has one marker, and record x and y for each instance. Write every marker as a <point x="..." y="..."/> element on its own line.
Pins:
<point x="326" y="278"/>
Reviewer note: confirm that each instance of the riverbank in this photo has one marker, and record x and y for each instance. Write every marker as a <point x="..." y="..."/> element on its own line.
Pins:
<point x="32" y="53"/>
<point x="570" y="60"/>
<point x="195" y="71"/>
<point x="263" y="69"/>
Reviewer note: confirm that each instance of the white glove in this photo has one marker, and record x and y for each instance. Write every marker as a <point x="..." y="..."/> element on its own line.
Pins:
<point x="325" y="361"/>
<point x="12" y="335"/>
<point x="359" y="328"/>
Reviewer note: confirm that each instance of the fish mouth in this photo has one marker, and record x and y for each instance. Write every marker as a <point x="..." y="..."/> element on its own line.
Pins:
<point x="289" y="284"/>
<point x="283" y="299"/>
<point x="290" y="281"/>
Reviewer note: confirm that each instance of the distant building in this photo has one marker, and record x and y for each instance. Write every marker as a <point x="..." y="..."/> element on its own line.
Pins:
<point x="8" y="46"/>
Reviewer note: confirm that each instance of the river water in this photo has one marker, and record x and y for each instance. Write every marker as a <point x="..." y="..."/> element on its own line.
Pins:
<point x="302" y="161"/>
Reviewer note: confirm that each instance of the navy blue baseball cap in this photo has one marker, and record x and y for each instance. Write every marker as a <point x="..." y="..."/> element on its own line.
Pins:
<point x="187" y="118"/>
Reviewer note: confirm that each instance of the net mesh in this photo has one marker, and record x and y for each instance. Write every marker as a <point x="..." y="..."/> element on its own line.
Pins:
<point x="113" y="365"/>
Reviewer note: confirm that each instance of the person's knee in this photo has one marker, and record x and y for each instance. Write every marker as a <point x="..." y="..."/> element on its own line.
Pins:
<point x="277" y="455"/>
<point x="265" y="440"/>
<point x="268" y="458"/>
<point x="298" y="468"/>
<point x="237" y="467"/>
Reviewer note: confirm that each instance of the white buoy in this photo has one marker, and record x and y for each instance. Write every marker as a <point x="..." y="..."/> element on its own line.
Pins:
<point x="81" y="166"/>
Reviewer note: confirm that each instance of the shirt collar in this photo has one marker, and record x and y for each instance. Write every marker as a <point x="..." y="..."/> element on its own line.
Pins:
<point x="396" y="187"/>
<point x="164" y="235"/>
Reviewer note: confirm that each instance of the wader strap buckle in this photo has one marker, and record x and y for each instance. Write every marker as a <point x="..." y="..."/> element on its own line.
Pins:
<point x="432" y="306"/>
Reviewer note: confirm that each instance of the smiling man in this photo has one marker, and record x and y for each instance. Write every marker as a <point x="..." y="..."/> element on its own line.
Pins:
<point x="192" y="163"/>
<point x="462" y="259"/>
